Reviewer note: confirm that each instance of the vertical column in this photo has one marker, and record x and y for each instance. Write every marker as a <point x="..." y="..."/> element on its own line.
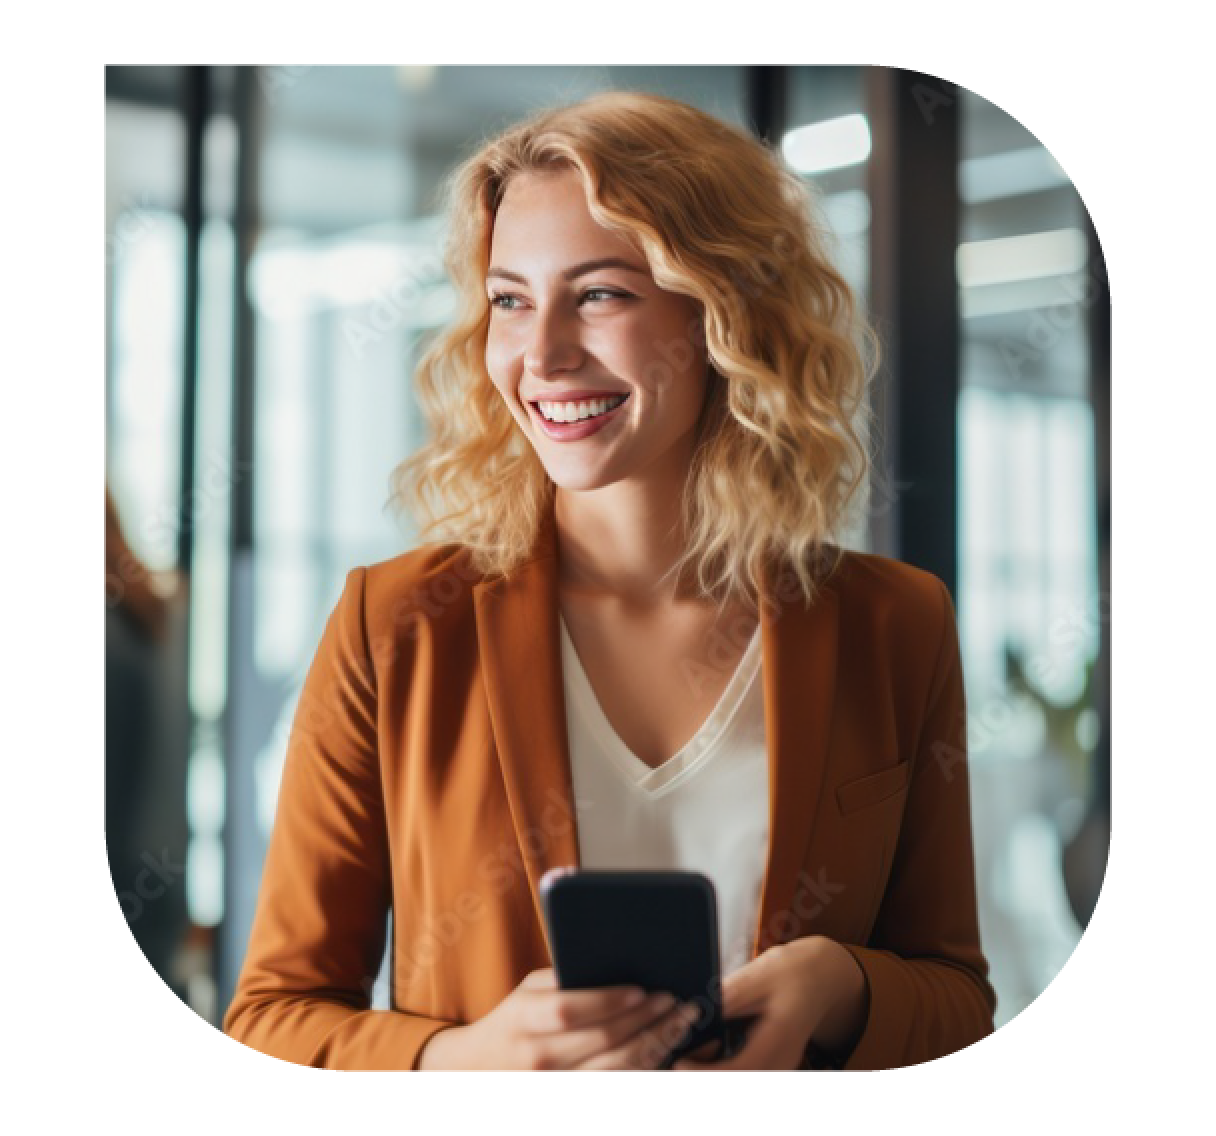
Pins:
<point x="766" y="102"/>
<point x="243" y="730"/>
<point x="196" y="109"/>
<point x="913" y="188"/>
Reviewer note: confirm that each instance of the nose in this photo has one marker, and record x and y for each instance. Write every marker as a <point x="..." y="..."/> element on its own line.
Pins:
<point x="553" y="343"/>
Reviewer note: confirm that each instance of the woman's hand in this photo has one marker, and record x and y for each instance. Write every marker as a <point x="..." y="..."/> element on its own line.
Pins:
<point x="809" y="990"/>
<point x="540" y="1026"/>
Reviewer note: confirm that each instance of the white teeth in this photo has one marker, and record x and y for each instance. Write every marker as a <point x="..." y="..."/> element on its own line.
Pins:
<point x="576" y="411"/>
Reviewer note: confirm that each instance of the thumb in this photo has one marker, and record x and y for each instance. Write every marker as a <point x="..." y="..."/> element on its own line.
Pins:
<point x="745" y="990"/>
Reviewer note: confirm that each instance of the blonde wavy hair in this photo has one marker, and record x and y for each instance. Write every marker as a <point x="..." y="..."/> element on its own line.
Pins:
<point x="779" y="456"/>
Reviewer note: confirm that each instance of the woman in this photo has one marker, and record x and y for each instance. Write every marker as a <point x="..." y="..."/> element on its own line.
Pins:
<point x="631" y="644"/>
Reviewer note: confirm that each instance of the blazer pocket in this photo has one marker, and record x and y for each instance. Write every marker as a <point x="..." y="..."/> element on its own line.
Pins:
<point x="872" y="788"/>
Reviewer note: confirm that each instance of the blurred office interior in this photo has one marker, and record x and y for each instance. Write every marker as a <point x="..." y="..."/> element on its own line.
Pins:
<point x="272" y="272"/>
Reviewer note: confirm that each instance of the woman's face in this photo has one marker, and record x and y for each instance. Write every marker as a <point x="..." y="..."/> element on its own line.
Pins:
<point x="565" y="321"/>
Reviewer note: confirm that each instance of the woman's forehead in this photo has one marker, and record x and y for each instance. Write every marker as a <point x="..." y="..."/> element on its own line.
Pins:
<point x="544" y="220"/>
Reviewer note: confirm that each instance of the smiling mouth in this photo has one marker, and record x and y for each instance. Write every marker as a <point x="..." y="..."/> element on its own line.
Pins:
<point x="535" y="405"/>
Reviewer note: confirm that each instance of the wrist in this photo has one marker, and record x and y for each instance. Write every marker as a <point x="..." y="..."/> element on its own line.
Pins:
<point x="840" y="1004"/>
<point x="440" y="1050"/>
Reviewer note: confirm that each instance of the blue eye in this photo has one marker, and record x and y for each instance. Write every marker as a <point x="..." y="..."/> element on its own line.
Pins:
<point x="509" y="302"/>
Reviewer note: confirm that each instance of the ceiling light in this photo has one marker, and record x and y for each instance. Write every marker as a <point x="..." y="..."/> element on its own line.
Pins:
<point x="1026" y="257"/>
<point x="416" y="77"/>
<point x="829" y="145"/>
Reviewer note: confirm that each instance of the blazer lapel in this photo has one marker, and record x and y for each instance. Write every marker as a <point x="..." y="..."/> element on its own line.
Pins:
<point x="520" y="651"/>
<point x="799" y="668"/>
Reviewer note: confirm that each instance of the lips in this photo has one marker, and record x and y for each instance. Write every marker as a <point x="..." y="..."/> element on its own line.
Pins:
<point x="576" y="431"/>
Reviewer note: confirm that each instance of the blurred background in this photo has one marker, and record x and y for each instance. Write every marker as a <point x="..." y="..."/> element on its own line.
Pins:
<point x="273" y="271"/>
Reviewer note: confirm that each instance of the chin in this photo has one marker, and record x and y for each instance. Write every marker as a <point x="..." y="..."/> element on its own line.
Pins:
<point x="573" y="482"/>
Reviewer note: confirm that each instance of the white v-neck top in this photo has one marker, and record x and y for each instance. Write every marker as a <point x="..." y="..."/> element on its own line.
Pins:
<point x="705" y="809"/>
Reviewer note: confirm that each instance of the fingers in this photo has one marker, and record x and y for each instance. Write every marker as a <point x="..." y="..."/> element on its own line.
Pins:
<point x="603" y="1028"/>
<point x="572" y="1009"/>
<point x="763" y="1041"/>
<point x="708" y="1052"/>
<point x="647" y="1047"/>
<point x="578" y="1009"/>
<point x="543" y="979"/>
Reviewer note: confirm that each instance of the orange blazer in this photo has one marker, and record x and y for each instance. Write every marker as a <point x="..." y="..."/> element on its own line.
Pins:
<point x="427" y="773"/>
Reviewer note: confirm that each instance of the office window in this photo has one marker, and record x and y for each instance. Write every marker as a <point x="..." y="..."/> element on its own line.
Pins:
<point x="1028" y="589"/>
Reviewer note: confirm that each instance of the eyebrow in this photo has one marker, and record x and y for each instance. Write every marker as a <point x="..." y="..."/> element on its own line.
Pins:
<point x="576" y="271"/>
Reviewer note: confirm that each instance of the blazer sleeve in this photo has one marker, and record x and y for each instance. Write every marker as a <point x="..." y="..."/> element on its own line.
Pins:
<point x="926" y="973"/>
<point x="318" y="935"/>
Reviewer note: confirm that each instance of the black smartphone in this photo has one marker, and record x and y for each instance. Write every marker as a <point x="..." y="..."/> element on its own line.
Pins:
<point x="653" y="929"/>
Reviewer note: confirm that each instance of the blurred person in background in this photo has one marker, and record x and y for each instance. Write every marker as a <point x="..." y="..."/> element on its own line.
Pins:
<point x="147" y="871"/>
<point x="1087" y="855"/>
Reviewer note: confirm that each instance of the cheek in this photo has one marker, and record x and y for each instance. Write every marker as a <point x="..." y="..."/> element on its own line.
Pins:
<point x="499" y="363"/>
<point x="671" y="368"/>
